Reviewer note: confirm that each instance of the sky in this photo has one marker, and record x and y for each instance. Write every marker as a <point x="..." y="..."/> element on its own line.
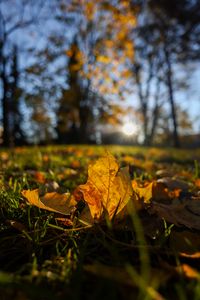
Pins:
<point x="188" y="99"/>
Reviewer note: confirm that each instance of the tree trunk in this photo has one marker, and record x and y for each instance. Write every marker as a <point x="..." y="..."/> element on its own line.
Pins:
<point x="155" y="114"/>
<point x="145" y="125"/>
<point x="83" y="132"/>
<point x="5" y="108"/>
<point x="4" y="100"/>
<point x="143" y="104"/>
<point x="176" y="140"/>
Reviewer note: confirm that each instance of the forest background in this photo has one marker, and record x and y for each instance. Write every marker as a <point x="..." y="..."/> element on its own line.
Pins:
<point x="100" y="72"/>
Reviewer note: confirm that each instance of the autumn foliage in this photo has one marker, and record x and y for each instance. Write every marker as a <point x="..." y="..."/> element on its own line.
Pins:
<point x="124" y="216"/>
<point x="109" y="191"/>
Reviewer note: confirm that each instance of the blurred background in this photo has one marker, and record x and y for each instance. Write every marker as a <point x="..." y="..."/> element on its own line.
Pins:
<point x="100" y="72"/>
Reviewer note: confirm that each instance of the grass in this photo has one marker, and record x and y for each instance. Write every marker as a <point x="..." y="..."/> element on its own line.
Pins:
<point x="42" y="258"/>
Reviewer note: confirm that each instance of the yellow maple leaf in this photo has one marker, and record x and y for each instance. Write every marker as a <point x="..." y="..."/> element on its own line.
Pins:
<point x="108" y="188"/>
<point x="55" y="202"/>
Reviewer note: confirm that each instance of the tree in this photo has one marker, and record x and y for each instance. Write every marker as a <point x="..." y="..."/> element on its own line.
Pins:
<point x="73" y="112"/>
<point x="184" y="16"/>
<point x="99" y="47"/>
<point x="19" y="16"/>
<point x="176" y="25"/>
<point x="147" y="79"/>
<point x="165" y="38"/>
<point x="165" y="132"/>
<point x="16" y="134"/>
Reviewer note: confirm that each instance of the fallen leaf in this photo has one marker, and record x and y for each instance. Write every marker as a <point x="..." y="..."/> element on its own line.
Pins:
<point x="17" y="225"/>
<point x="145" y="193"/>
<point x="65" y="221"/>
<point x="75" y="164"/>
<point x="160" y="192"/>
<point x="175" y="193"/>
<point x="129" y="159"/>
<point x="86" y="217"/>
<point x="188" y="271"/>
<point x="174" y="183"/>
<point x="108" y="188"/>
<point x="40" y="177"/>
<point x="153" y="190"/>
<point x="45" y="158"/>
<point x="181" y="214"/>
<point x="197" y="183"/>
<point x="164" y="173"/>
<point x="4" y="156"/>
<point x="195" y="255"/>
<point x="55" y="202"/>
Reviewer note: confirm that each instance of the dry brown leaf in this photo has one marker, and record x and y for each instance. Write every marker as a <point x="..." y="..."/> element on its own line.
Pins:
<point x="55" y="202"/>
<point x="17" y="225"/>
<point x="65" y="221"/>
<point x="164" y="173"/>
<point x="186" y="214"/>
<point x="86" y="217"/>
<point x="175" y="193"/>
<point x="160" y="192"/>
<point x="108" y="188"/>
<point x="174" y="183"/>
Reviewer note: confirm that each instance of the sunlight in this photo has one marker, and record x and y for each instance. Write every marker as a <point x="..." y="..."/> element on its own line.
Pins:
<point x="129" y="128"/>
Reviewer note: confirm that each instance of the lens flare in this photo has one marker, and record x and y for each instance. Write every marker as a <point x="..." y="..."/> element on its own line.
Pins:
<point x="129" y="128"/>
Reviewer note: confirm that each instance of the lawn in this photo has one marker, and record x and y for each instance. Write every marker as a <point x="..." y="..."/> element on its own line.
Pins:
<point x="150" y="252"/>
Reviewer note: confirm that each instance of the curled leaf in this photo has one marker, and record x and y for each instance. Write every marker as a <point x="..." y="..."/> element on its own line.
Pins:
<point x="55" y="202"/>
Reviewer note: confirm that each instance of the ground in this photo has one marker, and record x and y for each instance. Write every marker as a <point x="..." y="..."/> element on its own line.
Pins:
<point x="46" y="255"/>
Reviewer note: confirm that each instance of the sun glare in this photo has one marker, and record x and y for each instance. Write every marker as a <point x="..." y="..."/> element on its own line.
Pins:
<point x="129" y="128"/>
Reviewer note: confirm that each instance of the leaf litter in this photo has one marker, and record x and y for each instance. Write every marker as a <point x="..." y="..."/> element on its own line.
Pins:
<point x="109" y="189"/>
<point x="107" y="194"/>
